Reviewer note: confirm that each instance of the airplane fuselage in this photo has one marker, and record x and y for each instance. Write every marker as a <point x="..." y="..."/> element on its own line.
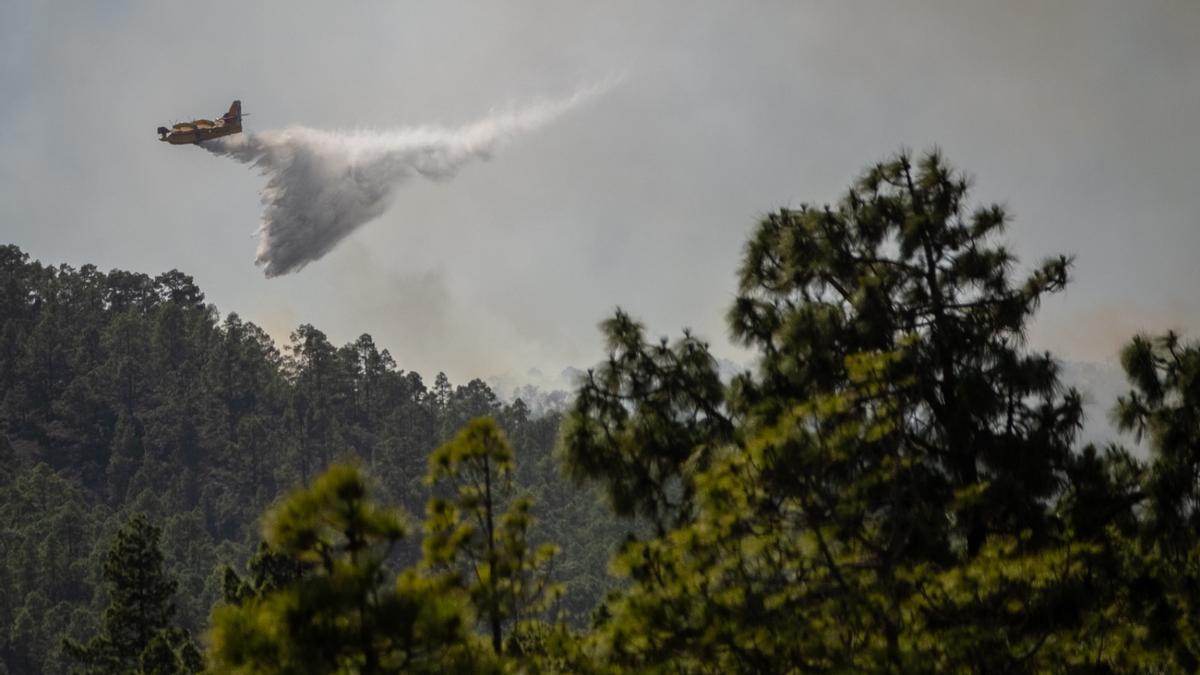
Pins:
<point x="198" y="131"/>
<point x="186" y="136"/>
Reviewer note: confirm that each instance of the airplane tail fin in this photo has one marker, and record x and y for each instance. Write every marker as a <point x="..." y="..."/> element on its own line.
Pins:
<point x="235" y="111"/>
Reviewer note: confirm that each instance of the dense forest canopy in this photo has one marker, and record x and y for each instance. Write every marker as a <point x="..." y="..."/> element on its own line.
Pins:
<point x="898" y="486"/>
<point x="124" y="393"/>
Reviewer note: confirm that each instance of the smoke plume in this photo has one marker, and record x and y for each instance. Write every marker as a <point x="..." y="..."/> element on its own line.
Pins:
<point x="323" y="185"/>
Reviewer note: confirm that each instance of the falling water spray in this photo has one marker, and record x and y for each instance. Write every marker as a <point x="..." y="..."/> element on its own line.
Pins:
<point x="323" y="185"/>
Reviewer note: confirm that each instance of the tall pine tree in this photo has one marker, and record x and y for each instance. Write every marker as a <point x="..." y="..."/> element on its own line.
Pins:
<point x="480" y="534"/>
<point x="139" y="612"/>
<point x="890" y="495"/>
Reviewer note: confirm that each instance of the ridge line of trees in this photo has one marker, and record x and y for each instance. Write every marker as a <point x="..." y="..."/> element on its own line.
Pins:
<point x="124" y="393"/>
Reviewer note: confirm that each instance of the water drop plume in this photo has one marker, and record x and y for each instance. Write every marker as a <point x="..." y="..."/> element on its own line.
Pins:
<point x="323" y="185"/>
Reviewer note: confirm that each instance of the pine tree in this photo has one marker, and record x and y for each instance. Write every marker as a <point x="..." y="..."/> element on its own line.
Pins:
<point x="485" y="529"/>
<point x="891" y="494"/>
<point x="905" y="264"/>
<point x="644" y="420"/>
<point x="348" y="612"/>
<point x="316" y="388"/>
<point x="140" y="607"/>
<point x="1161" y="560"/>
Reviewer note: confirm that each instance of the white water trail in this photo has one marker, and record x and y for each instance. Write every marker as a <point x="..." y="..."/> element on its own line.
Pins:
<point x="323" y="185"/>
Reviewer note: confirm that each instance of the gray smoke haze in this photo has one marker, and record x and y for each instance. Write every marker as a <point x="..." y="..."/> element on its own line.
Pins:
<point x="323" y="185"/>
<point x="1080" y="115"/>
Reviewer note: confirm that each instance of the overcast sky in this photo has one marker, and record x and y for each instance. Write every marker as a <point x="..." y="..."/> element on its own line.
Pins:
<point x="1080" y="116"/>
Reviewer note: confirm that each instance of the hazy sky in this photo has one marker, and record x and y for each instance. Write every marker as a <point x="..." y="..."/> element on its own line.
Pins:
<point x="1080" y="116"/>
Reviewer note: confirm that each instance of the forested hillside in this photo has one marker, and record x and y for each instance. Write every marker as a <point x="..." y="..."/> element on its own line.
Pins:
<point x="898" y="487"/>
<point x="126" y="393"/>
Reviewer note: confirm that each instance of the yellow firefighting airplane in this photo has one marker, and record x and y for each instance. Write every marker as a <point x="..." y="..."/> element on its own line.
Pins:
<point x="198" y="131"/>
